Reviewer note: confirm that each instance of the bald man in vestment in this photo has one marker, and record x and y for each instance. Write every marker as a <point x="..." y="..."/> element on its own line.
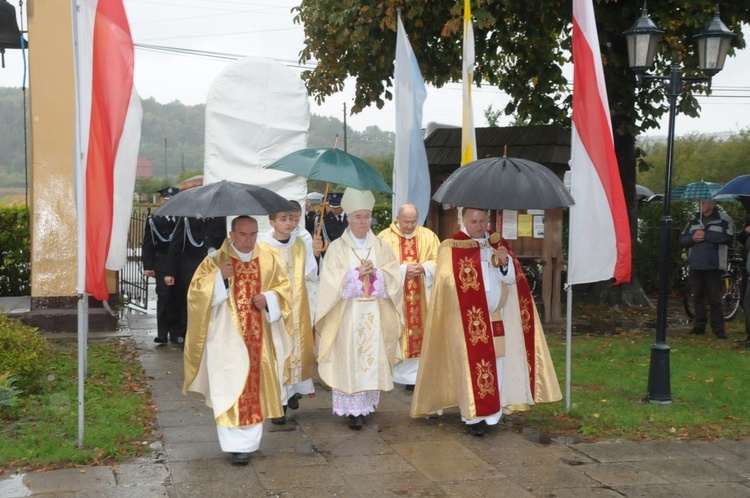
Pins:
<point x="229" y="358"/>
<point x="416" y="248"/>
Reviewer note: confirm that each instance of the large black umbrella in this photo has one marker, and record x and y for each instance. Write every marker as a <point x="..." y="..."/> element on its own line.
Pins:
<point x="504" y="183"/>
<point x="223" y="198"/>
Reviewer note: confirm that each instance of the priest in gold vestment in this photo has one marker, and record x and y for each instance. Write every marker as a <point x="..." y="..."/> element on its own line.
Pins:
<point x="358" y="322"/>
<point x="293" y="338"/>
<point x="235" y="294"/>
<point x="484" y="348"/>
<point x="416" y="248"/>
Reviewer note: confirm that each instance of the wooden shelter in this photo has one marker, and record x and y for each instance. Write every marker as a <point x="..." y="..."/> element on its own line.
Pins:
<point x="545" y="144"/>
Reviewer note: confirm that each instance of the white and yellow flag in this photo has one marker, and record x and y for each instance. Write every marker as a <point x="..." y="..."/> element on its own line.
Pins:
<point x="468" y="136"/>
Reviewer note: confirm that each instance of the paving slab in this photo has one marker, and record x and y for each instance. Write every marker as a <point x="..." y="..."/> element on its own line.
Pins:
<point x="483" y="488"/>
<point x="70" y="480"/>
<point x="622" y="474"/>
<point x="620" y="451"/>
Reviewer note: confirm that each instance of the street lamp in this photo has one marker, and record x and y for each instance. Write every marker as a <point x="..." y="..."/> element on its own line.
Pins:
<point x="713" y="44"/>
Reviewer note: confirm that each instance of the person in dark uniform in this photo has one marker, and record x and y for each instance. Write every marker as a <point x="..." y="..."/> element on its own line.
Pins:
<point x="311" y="218"/>
<point x="334" y="221"/>
<point x="154" y="254"/>
<point x="193" y="239"/>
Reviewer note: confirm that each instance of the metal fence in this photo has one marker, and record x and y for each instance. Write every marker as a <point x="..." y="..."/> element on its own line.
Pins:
<point x="133" y="283"/>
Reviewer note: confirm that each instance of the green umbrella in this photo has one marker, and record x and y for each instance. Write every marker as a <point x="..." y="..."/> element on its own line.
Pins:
<point x="332" y="165"/>
<point x="695" y="191"/>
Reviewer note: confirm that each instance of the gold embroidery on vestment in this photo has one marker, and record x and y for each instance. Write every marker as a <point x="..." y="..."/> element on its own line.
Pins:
<point x="477" y="326"/>
<point x="468" y="274"/>
<point x="485" y="379"/>
<point x="365" y="335"/>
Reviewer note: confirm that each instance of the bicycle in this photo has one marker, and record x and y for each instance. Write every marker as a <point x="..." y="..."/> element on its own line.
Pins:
<point x="732" y="285"/>
<point x="533" y="272"/>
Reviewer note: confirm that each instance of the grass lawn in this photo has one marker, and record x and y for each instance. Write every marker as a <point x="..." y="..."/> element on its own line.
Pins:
<point x="709" y="385"/>
<point x="43" y="431"/>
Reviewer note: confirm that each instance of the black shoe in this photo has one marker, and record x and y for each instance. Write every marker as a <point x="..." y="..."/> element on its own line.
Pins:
<point x="356" y="422"/>
<point x="478" y="429"/>
<point x="280" y="420"/>
<point x="721" y="335"/>
<point x="160" y="340"/>
<point x="178" y="339"/>
<point x="697" y="332"/>
<point x="240" y="459"/>
<point x="409" y="387"/>
<point x="293" y="402"/>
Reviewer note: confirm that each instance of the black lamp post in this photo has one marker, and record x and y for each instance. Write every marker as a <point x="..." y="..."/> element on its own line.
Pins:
<point x="642" y="40"/>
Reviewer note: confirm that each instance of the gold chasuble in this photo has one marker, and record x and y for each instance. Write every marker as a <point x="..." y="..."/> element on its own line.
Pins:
<point x="421" y="248"/>
<point x="298" y="326"/>
<point x="458" y="365"/>
<point x="229" y="356"/>
<point x="358" y="338"/>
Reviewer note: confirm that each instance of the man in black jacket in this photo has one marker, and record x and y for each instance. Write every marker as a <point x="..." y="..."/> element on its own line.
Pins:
<point x="154" y="255"/>
<point x="193" y="239"/>
<point x="334" y="221"/>
<point x="707" y="236"/>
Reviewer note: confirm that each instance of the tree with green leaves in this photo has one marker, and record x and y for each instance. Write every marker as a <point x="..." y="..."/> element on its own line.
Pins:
<point x="520" y="48"/>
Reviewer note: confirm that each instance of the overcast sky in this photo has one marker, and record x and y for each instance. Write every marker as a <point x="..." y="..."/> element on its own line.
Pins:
<point x="265" y="28"/>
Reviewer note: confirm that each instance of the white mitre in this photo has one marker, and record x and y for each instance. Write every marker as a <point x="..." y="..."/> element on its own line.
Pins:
<point x="356" y="200"/>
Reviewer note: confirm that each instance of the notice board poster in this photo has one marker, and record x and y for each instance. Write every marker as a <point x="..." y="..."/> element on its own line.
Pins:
<point x="510" y="224"/>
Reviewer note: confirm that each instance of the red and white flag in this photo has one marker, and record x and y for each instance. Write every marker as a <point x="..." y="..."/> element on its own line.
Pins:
<point x="108" y="136"/>
<point x="599" y="244"/>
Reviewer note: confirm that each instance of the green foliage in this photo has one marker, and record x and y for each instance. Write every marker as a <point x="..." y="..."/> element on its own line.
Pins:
<point x="492" y="116"/>
<point x="173" y="133"/>
<point x="119" y="416"/>
<point x="696" y="157"/>
<point x="372" y="143"/>
<point x="8" y="393"/>
<point x="382" y="216"/>
<point x="12" y="153"/>
<point x="15" y="251"/>
<point x="23" y="354"/>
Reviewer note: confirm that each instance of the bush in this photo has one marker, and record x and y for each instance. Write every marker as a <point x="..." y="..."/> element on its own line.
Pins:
<point x="8" y="394"/>
<point x="15" y="251"/>
<point x="381" y="217"/>
<point x="24" y="354"/>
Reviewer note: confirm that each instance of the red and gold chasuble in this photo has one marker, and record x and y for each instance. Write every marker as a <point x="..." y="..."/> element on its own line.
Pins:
<point x="475" y="316"/>
<point x="413" y="303"/>
<point x="477" y="324"/>
<point x="247" y="285"/>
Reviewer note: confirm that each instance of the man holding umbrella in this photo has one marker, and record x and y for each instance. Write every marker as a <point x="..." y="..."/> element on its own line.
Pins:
<point x="707" y="237"/>
<point x="235" y="295"/>
<point x="334" y="221"/>
<point x="358" y="322"/>
<point x="484" y="348"/>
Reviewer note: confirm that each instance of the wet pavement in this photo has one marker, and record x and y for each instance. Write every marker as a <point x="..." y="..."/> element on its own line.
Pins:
<point x="317" y="455"/>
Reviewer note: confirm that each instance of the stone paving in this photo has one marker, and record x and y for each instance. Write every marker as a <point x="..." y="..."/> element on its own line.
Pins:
<point x="316" y="455"/>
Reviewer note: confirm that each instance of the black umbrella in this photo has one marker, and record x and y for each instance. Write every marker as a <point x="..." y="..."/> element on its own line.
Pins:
<point x="223" y="199"/>
<point x="504" y="183"/>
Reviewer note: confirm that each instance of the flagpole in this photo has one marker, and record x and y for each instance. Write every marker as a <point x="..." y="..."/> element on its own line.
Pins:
<point x="568" y="342"/>
<point x="80" y="183"/>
